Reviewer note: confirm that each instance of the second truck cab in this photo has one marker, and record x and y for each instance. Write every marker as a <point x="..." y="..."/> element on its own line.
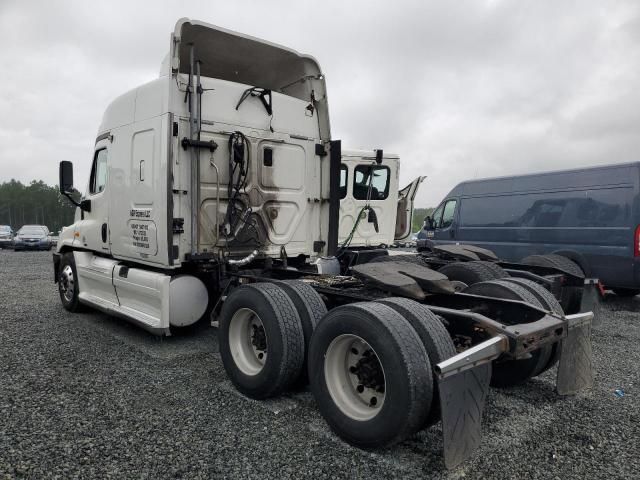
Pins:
<point x="393" y="207"/>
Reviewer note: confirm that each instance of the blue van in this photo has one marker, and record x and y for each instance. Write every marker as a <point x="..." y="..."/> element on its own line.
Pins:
<point x="591" y="215"/>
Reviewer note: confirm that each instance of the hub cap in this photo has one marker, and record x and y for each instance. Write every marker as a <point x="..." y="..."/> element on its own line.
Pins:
<point x="248" y="341"/>
<point x="355" y="377"/>
<point x="67" y="283"/>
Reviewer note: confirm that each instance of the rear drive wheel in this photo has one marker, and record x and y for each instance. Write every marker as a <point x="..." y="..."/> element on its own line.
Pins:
<point x="497" y="270"/>
<point x="571" y="298"/>
<point x="370" y="375"/>
<point x="508" y="372"/>
<point x="544" y="296"/>
<point x="310" y="308"/>
<point x="548" y="302"/>
<point x="553" y="260"/>
<point x="261" y="340"/>
<point x="434" y="337"/>
<point x="68" y="283"/>
<point x="470" y="273"/>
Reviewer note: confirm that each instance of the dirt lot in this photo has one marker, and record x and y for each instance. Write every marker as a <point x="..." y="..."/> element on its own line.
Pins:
<point x="87" y="395"/>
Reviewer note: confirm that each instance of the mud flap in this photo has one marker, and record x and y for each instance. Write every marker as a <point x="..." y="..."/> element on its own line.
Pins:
<point x="575" y="369"/>
<point x="462" y="399"/>
<point x="463" y="382"/>
<point x="591" y="299"/>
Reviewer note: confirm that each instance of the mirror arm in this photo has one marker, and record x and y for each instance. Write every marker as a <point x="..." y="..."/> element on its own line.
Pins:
<point x="71" y="199"/>
<point x="84" y="205"/>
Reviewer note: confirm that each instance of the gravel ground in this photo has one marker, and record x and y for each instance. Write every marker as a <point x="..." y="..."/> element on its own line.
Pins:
<point x="87" y="395"/>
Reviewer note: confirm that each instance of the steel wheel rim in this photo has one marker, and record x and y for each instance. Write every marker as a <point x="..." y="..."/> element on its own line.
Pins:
<point x="67" y="283"/>
<point x="248" y="341"/>
<point x="343" y="375"/>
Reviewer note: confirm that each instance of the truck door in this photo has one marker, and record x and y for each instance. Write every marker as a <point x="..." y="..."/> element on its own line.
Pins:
<point x="380" y="197"/>
<point x="404" y="214"/>
<point x="94" y="226"/>
<point x="138" y="191"/>
<point x="444" y="226"/>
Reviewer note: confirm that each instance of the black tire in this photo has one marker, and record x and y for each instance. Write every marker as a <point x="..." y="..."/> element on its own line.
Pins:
<point x="508" y="372"/>
<point x="409" y="258"/>
<point x="434" y="337"/>
<point x="626" y="292"/>
<point x="284" y="339"/>
<point x="497" y="270"/>
<point x="469" y="273"/>
<point x="310" y="308"/>
<point x="571" y="298"/>
<point x="544" y="296"/>
<point x="68" y="287"/>
<point x="552" y="260"/>
<point x="408" y="382"/>
<point x="548" y="302"/>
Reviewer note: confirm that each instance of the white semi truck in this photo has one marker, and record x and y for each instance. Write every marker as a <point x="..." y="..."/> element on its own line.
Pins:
<point x="217" y="190"/>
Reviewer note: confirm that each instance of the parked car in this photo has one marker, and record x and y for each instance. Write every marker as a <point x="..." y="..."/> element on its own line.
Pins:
<point x="590" y="215"/>
<point x="6" y="236"/>
<point x="32" y="237"/>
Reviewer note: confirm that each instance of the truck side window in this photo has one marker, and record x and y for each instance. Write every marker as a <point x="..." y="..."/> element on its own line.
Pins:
<point x="98" y="172"/>
<point x="379" y="183"/>
<point x="436" y="216"/>
<point x="447" y="214"/>
<point x="344" y="176"/>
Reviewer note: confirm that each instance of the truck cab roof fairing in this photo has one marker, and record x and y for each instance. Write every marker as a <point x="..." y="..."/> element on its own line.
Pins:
<point x="240" y="58"/>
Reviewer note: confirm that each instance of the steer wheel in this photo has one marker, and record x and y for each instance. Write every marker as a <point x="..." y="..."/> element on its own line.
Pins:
<point x="68" y="284"/>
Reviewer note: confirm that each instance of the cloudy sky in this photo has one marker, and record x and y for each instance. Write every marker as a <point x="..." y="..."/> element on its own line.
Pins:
<point x="460" y="89"/>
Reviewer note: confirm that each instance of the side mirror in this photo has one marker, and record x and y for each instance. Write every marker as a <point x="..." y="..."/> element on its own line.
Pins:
<point x="66" y="177"/>
<point x="66" y="185"/>
<point x="428" y="222"/>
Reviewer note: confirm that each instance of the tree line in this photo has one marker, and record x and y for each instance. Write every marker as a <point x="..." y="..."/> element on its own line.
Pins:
<point x="418" y="218"/>
<point x="36" y="203"/>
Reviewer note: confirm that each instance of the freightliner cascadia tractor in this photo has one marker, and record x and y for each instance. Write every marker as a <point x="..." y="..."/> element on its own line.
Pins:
<point x="217" y="193"/>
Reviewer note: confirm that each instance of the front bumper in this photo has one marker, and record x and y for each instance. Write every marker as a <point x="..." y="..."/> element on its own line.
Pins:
<point x="6" y="242"/>
<point x="22" y="245"/>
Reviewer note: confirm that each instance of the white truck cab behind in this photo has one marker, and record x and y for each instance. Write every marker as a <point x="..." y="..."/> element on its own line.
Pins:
<point x="393" y="208"/>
